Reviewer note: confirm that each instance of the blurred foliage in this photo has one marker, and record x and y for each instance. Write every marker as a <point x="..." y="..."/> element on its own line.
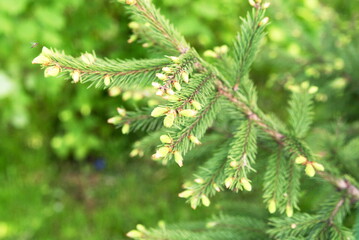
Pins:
<point x="53" y="135"/>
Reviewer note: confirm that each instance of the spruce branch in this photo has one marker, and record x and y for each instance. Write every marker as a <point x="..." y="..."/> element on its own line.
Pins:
<point x="195" y="94"/>
<point x="101" y="72"/>
<point x="280" y="138"/>
<point x="146" y="145"/>
<point x="211" y="106"/>
<point x="221" y="227"/>
<point x="172" y="76"/>
<point x="293" y="187"/>
<point x="236" y="99"/>
<point x="300" y="113"/>
<point x="207" y="88"/>
<point x="275" y="181"/>
<point x="325" y="224"/>
<point x="186" y="136"/>
<point x="140" y="120"/>
<point x="242" y="153"/>
<point x="160" y="30"/>
<point x="209" y="179"/>
<point x="298" y="225"/>
<point x="248" y="40"/>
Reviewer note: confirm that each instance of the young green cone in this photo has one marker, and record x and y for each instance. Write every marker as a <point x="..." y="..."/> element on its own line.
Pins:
<point x="246" y="185"/>
<point x="165" y="139"/>
<point x="52" y="71"/>
<point x="188" y="113"/>
<point x="205" y="200"/>
<point x="76" y="76"/>
<point x="169" y="119"/>
<point x="272" y="206"/>
<point x="178" y="158"/>
<point x="289" y="210"/>
<point x="126" y="128"/>
<point x="159" y="111"/>
<point x="309" y="170"/>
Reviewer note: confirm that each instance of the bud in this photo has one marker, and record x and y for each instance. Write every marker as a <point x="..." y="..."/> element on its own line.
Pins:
<point x="205" y="200"/>
<point x="178" y="158"/>
<point x="188" y="113"/>
<point x="223" y="49"/>
<point x="264" y="21"/>
<point x="159" y="92"/>
<point x="156" y="156"/>
<point x="141" y="228"/>
<point x="313" y="89"/>
<point x="134" y="152"/>
<point x="300" y="160"/>
<point x="169" y="119"/>
<point x="52" y="71"/>
<point x="318" y="166"/>
<point x="46" y="51"/>
<point x="114" y="120"/>
<point x="215" y="186"/>
<point x="114" y="91"/>
<point x="194" y="140"/>
<point x="252" y="3"/>
<point x="177" y="85"/>
<point x="121" y="111"/>
<point x="137" y="96"/>
<point x="147" y="45"/>
<point x="234" y="164"/>
<point x="107" y="80"/>
<point x="162" y="224"/>
<point x="169" y="91"/>
<point x="126" y="128"/>
<point x="185" y="194"/>
<point x="131" y="2"/>
<point x="289" y="210"/>
<point x="246" y="185"/>
<point x="156" y="85"/>
<point x="132" y="38"/>
<point x="165" y="139"/>
<point x="211" y="224"/>
<point x="76" y="76"/>
<point x="185" y="76"/>
<point x="272" y="206"/>
<point x="134" y="234"/>
<point x="309" y="170"/>
<point x="175" y="59"/>
<point x="196" y="105"/>
<point x="265" y="5"/>
<point x="194" y="202"/>
<point x="199" y="180"/>
<point x="159" y="111"/>
<point x="41" y="59"/>
<point x="163" y="151"/>
<point x="229" y="182"/>
<point x="171" y="98"/>
<point x="161" y="76"/>
<point x="127" y="95"/>
<point x="210" y="53"/>
<point x="305" y="85"/>
<point x="167" y="70"/>
<point x="134" y="25"/>
<point x="88" y="58"/>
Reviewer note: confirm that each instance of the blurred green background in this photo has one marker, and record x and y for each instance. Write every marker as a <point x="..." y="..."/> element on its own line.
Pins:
<point x="66" y="174"/>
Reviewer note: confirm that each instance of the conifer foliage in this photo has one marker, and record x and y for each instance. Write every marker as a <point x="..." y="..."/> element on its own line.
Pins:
<point x="195" y="96"/>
